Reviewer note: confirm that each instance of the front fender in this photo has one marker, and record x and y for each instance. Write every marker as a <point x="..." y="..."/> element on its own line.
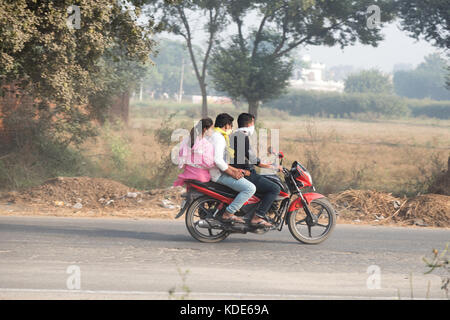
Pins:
<point x="297" y="204"/>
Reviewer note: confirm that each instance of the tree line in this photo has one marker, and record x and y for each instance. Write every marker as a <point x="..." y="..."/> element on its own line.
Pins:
<point x="426" y="81"/>
<point x="73" y="72"/>
<point x="254" y="64"/>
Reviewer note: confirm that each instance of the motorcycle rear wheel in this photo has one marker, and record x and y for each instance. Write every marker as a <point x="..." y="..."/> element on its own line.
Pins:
<point x="194" y="214"/>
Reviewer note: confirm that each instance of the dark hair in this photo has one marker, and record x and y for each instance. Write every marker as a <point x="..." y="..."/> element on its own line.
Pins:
<point x="244" y="119"/>
<point x="197" y="130"/>
<point x="223" y="119"/>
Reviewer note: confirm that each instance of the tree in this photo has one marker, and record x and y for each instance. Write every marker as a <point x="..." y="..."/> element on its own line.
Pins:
<point x="428" y="80"/>
<point x="257" y="78"/>
<point x="369" y="81"/>
<point x="287" y="24"/>
<point x="164" y="76"/>
<point x="69" y="72"/>
<point x="429" y="19"/>
<point x="177" y="17"/>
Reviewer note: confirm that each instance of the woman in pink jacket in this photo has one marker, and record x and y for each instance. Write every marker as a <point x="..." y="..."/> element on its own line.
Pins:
<point x="196" y="154"/>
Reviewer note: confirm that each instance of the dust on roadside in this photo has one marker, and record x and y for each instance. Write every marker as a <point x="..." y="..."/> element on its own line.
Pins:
<point x="91" y="197"/>
<point x="99" y="197"/>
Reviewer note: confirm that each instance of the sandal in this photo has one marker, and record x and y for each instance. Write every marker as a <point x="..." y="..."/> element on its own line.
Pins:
<point x="261" y="223"/>
<point x="233" y="218"/>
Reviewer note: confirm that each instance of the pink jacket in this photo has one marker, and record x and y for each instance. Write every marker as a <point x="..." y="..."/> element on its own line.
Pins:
<point x="195" y="161"/>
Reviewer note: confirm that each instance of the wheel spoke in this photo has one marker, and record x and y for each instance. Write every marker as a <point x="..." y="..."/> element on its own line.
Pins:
<point x="321" y="225"/>
<point x="320" y="213"/>
<point x="300" y="221"/>
<point x="200" y="213"/>
<point x="204" y="210"/>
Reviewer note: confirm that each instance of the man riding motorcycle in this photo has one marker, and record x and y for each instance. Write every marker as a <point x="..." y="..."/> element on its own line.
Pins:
<point x="245" y="159"/>
<point x="227" y="175"/>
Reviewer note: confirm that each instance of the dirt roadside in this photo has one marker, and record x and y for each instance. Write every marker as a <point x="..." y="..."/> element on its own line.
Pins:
<point x="100" y="198"/>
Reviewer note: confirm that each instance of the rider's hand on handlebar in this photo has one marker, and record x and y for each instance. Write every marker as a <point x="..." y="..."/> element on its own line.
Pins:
<point x="277" y="167"/>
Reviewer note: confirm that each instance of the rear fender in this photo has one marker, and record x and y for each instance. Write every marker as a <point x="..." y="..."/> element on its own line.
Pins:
<point x="297" y="204"/>
<point x="188" y="199"/>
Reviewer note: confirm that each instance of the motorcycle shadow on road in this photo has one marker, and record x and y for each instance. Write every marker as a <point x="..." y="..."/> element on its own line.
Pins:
<point x="137" y="235"/>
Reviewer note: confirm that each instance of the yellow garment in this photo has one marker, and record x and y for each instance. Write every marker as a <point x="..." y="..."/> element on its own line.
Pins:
<point x="230" y="150"/>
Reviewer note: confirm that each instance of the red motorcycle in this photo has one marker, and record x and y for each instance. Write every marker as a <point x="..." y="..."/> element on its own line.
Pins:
<point x="309" y="216"/>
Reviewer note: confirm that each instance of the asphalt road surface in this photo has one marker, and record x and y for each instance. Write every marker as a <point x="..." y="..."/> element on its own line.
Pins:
<point x="91" y="258"/>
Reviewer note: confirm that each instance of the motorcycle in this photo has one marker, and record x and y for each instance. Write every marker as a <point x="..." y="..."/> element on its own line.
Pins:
<point x="310" y="216"/>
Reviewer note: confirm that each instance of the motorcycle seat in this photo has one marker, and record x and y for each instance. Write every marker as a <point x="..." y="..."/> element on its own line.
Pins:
<point x="219" y="188"/>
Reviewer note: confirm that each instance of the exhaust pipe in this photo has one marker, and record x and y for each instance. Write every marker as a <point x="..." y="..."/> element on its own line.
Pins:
<point x="211" y="224"/>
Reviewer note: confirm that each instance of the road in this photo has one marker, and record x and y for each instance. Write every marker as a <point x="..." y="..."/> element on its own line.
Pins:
<point x="148" y="259"/>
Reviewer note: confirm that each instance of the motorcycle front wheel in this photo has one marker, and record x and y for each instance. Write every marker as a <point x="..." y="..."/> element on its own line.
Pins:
<point x="307" y="232"/>
<point x="202" y="209"/>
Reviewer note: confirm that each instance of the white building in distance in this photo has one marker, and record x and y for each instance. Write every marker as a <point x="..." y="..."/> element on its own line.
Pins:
<point x="310" y="78"/>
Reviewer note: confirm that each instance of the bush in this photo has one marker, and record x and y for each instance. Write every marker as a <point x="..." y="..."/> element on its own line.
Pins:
<point x="340" y="105"/>
<point x="369" y="81"/>
<point x="430" y="108"/>
<point x="32" y="165"/>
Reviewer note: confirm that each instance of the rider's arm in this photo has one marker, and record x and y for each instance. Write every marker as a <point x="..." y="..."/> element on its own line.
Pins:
<point x="219" y="150"/>
<point x="270" y="166"/>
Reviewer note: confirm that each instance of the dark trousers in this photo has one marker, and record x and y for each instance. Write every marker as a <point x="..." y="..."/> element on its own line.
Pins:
<point x="268" y="189"/>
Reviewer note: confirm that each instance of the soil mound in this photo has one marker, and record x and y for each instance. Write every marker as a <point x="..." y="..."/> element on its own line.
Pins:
<point x="85" y="192"/>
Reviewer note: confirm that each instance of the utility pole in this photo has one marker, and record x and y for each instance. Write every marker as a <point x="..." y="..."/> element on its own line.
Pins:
<point x="141" y="89"/>
<point x="180" y="94"/>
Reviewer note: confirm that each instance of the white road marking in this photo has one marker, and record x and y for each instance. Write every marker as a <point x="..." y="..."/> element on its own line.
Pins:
<point x="212" y="294"/>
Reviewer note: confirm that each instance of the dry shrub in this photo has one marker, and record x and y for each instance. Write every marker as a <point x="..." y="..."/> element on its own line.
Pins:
<point x="372" y="206"/>
<point x="329" y="177"/>
<point x="427" y="209"/>
<point x="365" y="205"/>
<point x="441" y="183"/>
<point x="428" y="173"/>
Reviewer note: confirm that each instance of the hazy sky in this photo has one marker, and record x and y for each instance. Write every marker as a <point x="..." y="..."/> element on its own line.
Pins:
<point x="397" y="47"/>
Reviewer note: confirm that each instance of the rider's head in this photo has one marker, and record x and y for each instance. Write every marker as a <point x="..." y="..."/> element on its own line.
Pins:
<point x="224" y="121"/>
<point x="246" y="120"/>
<point x="200" y="129"/>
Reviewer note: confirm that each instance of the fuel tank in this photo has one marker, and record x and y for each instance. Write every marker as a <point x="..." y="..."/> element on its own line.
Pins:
<point x="277" y="180"/>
